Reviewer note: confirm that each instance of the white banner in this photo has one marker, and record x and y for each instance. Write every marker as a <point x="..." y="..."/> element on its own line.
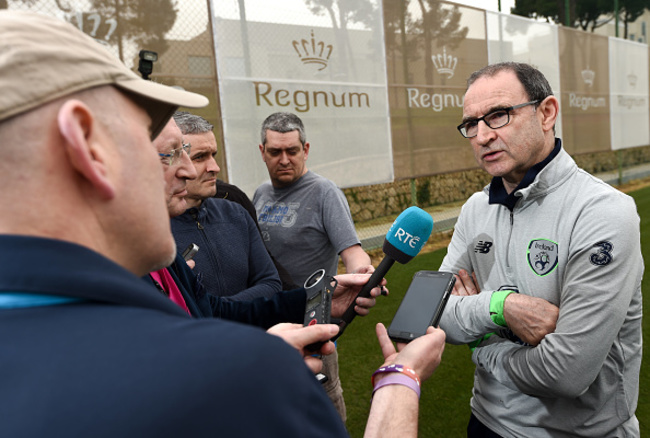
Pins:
<point x="628" y="84"/>
<point x="513" y="38"/>
<point x="331" y="74"/>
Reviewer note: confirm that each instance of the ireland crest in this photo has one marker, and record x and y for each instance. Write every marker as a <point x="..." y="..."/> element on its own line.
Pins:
<point x="542" y="256"/>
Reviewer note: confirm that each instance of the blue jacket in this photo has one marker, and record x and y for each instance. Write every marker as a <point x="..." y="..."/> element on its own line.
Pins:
<point x="232" y="193"/>
<point x="232" y="258"/>
<point x="263" y="312"/>
<point x="126" y="361"/>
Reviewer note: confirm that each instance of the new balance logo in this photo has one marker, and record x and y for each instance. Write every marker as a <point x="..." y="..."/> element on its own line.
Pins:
<point x="483" y="247"/>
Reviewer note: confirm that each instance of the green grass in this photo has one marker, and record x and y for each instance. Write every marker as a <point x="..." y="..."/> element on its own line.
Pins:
<point x="444" y="404"/>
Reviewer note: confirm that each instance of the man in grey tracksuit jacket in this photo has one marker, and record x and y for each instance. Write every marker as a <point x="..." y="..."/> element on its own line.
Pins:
<point x="566" y="237"/>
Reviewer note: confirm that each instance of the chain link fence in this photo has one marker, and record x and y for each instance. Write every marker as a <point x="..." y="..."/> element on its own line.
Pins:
<point x="181" y="33"/>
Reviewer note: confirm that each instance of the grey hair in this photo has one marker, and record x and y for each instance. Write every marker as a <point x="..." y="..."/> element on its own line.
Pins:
<point x="535" y="84"/>
<point x="282" y="123"/>
<point x="192" y="124"/>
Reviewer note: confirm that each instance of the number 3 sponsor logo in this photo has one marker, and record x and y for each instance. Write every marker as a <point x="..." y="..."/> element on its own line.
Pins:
<point x="603" y="256"/>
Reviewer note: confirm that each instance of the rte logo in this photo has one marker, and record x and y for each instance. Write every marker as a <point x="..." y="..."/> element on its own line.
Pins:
<point x="407" y="238"/>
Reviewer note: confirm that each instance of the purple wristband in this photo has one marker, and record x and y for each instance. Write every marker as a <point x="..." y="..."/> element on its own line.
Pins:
<point x="398" y="379"/>
<point x="396" y="368"/>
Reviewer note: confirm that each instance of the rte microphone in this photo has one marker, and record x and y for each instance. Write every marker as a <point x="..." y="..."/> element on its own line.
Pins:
<point x="404" y="240"/>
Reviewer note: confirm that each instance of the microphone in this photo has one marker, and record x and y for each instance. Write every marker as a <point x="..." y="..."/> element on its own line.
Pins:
<point x="404" y="240"/>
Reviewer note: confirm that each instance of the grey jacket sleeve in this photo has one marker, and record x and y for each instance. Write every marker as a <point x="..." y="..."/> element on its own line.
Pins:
<point x="465" y="319"/>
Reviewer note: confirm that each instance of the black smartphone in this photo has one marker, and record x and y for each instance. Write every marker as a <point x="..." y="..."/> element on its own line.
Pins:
<point x="189" y="252"/>
<point x="422" y="305"/>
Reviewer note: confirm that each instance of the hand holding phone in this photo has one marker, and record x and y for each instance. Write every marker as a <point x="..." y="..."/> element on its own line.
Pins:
<point x="422" y="305"/>
<point x="299" y="337"/>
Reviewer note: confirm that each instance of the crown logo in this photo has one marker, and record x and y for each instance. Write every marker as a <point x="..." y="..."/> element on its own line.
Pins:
<point x="312" y="52"/>
<point x="445" y="64"/>
<point x="631" y="78"/>
<point x="588" y="76"/>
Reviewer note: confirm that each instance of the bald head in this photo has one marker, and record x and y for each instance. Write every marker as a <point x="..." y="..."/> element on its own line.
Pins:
<point x="83" y="169"/>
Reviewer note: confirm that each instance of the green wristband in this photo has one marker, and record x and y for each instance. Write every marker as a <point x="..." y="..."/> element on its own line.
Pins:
<point x="472" y="345"/>
<point x="496" y="306"/>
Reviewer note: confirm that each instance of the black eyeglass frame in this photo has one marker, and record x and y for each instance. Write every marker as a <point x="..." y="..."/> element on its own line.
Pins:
<point x="462" y="127"/>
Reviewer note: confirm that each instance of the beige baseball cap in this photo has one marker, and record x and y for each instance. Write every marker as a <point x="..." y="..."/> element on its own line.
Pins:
<point x="43" y="58"/>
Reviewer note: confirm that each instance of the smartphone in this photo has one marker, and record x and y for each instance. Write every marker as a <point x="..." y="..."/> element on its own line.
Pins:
<point x="422" y="305"/>
<point x="189" y="252"/>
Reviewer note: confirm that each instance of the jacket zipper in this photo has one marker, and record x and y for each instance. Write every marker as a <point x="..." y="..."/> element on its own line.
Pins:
<point x="211" y="251"/>
<point x="512" y="221"/>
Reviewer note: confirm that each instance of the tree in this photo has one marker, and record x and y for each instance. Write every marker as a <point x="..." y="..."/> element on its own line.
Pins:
<point x="592" y="14"/>
<point x="441" y="24"/>
<point x="139" y="23"/>
<point x="583" y="14"/>
<point x="341" y="14"/>
<point x="436" y="21"/>
<point x="540" y="9"/>
<point x="631" y="10"/>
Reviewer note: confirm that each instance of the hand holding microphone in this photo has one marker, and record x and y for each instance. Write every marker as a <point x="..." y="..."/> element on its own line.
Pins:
<point x="404" y="240"/>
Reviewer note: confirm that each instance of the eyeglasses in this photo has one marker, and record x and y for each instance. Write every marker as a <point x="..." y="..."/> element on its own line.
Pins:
<point x="495" y="120"/>
<point x="175" y="154"/>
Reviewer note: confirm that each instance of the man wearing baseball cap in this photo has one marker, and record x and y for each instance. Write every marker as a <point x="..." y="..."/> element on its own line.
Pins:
<point x="88" y="348"/>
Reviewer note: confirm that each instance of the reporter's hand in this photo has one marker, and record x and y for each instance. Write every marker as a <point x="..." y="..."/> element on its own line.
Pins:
<point x="299" y="337"/>
<point x="530" y="318"/>
<point x="349" y="286"/>
<point x="423" y="354"/>
<point x="466" y="284"/>
<point x="191" y="263"/>
<point x="366" y="269"/>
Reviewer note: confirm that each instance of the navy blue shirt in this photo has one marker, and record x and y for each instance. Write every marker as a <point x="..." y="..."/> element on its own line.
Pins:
<point x="232" y="258"/>
<point x="498" y="193"/>
<point x="125" y="361"/>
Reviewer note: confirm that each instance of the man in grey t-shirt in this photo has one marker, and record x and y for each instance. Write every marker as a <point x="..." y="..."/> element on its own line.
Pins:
<point x="305" y="219"/>
<point x="306" y="225"/>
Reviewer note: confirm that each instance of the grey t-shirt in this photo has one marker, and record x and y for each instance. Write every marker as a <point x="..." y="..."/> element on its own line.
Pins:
<point x="306" y="225"/>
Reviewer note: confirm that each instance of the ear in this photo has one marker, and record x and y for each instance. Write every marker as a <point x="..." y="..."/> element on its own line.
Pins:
<point x="262" y="152"/>
<point x="549" y="109"/>
<point x="306" y="148"/>
<point x="84" y="146"/>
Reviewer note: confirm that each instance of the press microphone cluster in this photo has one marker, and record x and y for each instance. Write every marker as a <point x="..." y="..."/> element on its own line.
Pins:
<point x="404" y="240"/>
